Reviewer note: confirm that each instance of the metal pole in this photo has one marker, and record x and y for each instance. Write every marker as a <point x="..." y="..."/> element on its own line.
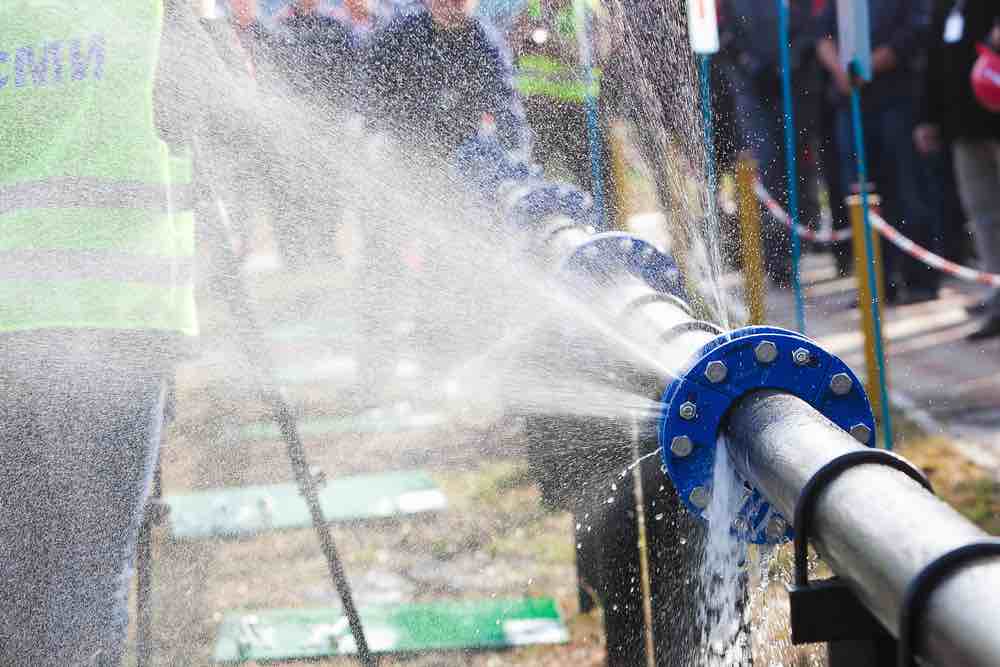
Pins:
<point x="708" y="129"/>
<point x="859" y="149"/>
<point x="750" y="242"/>
<point x="874" y="526"/>
<point x="862" y="268"/>
<point x="791" y="170"/>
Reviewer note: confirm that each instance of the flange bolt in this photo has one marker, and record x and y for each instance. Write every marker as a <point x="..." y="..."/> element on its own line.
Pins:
<point x="700" y="497"/>
<point x="716" y="372"/>
<point x="776" y="528"/>
<point x="841" y="383"/>
<point x="861" y="433"/>
<point x="766" y="352"/>
<point x="681" y="446"/>
<point x="801" y="356"/>
<point x="688" y="410"/>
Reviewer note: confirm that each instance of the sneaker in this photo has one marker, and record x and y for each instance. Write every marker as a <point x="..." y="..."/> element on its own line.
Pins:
<point x="990" y="329"/>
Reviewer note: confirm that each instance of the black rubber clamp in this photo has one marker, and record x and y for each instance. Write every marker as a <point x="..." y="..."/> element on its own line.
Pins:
<point x="920" y="589"/>
<point x="806" y="505"/>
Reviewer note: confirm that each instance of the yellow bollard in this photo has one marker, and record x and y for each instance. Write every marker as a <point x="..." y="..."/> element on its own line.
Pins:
<point x="864" y="291"/>
<point x="750" y="243"/>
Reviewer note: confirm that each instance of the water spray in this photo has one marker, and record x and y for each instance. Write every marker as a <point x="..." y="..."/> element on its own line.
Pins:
<point x="798" y="428"/>
<point x="252" y="340"/>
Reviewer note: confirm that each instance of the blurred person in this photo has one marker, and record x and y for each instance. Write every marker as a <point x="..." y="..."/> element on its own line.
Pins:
<point x="951" y="114"/>
<point x="96" y="275"/>
<point x="315" y="55"/>
<point x="545" y="40"/>
<point x="897" y="28"/>
<point x="437" y="76"/>
<point x="753" y="71"/>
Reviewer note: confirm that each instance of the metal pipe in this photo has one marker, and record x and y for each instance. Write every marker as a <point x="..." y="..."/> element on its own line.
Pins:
<point x="874" y="526"/>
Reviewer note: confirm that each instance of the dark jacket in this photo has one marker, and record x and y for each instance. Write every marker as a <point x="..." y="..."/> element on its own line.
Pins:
<point x="750" y="35"/>
<point x="948" y="100"/>
<point x="899" y="24"/>
<point x="317" y="56"/>
<point x="436" y="86"/>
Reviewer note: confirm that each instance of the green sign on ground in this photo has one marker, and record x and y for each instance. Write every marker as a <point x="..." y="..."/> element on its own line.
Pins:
<point x="250" y="510"/>
<point x="288" y="634"/>
<point x="372" y="421"/>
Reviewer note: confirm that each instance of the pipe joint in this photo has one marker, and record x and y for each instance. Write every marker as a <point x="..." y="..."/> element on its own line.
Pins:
<point x="726" y="370"/>
<point x="602" y="255"/>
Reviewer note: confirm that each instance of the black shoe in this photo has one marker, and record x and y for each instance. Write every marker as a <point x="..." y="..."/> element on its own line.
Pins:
<point x="976" y="309"/>
<point x="990" y="329"/>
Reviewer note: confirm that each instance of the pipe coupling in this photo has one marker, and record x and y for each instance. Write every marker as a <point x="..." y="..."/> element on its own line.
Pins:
<point x="720" y="374"/>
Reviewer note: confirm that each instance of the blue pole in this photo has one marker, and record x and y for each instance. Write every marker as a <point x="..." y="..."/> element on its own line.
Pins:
<point x="704" y="62"/>
<point x="594" y="136"/>
<point x="791" y="167"/>
<point x="583" y="20"/>
<point x="859" y="149"/>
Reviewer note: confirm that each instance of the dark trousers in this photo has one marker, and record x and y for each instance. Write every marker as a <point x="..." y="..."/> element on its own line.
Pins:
<point x="79" y="439"/>
<point x="894" y="167"/>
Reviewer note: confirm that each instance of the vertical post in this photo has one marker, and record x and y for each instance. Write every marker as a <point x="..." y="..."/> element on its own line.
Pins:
<point x="791" y="168"/>
<point x="705" y="62"/>
<point x="875" y="305"/>
<point x="591" y="86"/>
<point x="750" y="243"/>
<point x="624" y="208"/>
<point x="871" y="285"/>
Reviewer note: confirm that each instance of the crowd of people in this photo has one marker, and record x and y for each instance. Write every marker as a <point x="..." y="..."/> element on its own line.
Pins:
<point x="438" y="71"/>
<point x="931" y="144"/>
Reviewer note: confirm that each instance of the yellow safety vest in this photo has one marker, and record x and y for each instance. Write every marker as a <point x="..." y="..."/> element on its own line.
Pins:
<point x="87" y="235"/>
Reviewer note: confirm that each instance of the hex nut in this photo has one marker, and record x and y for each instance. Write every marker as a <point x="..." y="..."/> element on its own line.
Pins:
<point x="766" y="352"/>
<point x="700" y="497"/>
<point x="861" y="433"/>
<point x="776" y="528"/>
<point x="716" y="372"/>
<point x="841" y="384"/>
<point x="801" y="356"/>
<point x="688" y="410"/>
<point x="681" y="446"/>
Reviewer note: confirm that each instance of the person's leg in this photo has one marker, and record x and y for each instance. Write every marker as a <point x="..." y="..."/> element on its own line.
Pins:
<point x="849" y="176"/>
<point x="759" y="133"/>
<point x="916" y="220"/>
<point x="977" y="171"/>
<point x="84" y="478"/>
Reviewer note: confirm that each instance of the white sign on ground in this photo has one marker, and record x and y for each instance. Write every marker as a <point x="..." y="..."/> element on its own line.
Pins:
<point x="854" y="36"/>
<point x="703" y="26"/>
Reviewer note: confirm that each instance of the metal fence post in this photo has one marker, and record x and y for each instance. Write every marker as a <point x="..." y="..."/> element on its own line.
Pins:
<point x="865" y="296"/>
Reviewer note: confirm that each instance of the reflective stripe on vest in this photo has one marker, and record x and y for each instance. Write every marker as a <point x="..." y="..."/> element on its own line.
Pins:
<point x="83" y="193"/>
<point x="50" y="265"/>
<point x="547" y="77"/>
<point x="89" y="237"/>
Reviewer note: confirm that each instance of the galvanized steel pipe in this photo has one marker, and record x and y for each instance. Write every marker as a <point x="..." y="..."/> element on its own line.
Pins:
<point x="874" y="526"/>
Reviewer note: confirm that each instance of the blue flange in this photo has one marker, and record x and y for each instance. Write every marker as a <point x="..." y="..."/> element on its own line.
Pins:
<point x="725" y="370"/>
<point x="548" y="199"/>
<point x="615" y="249"/>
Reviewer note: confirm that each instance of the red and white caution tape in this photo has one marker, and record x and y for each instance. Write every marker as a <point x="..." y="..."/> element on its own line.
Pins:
<point x="889" y="232"/>
<point x="779" y="214"/>
<point x="930" y="259"/>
